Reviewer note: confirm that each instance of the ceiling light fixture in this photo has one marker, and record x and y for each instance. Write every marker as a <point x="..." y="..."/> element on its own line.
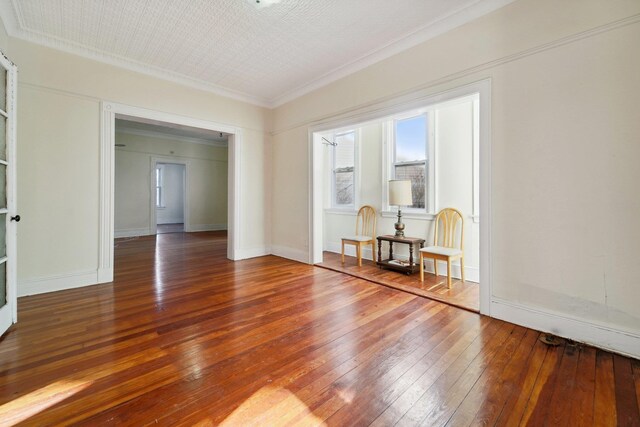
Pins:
<point x="264" y="3"/>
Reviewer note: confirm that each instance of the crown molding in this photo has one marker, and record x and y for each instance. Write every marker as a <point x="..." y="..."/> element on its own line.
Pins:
<point x="169" y="137"/>
<point x="421" y="35"/>
<point x="15" y="28"/>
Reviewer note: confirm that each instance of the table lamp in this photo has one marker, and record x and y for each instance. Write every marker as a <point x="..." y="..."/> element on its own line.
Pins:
<point x="400" y="195"/>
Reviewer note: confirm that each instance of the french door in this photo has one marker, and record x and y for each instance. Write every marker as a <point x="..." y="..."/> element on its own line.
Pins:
<point x="8" y="216"/>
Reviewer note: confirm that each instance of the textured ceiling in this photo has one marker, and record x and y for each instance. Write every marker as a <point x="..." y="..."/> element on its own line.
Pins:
<point x="265" y="54"/>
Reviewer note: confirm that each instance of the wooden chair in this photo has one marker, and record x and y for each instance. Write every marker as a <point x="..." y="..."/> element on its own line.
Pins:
<point x="365" y="233"/>
<point x="445" y="250"/>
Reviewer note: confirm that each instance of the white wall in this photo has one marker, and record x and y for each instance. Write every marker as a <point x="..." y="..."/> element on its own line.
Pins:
<point x="564" y="130"/>
<point x="207" y="182"/>
<point x="172" y="212"/>
<point x="59" y="98"/>
<point x="454" y="134"/>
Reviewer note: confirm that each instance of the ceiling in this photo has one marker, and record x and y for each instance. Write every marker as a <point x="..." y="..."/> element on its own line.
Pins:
<point x="266" y="54"/>
<point x="149" y="127"/>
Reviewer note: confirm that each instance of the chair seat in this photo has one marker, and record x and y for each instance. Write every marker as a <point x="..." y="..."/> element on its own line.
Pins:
<point x="441" y="250"/>
<point x="358" y="238"/>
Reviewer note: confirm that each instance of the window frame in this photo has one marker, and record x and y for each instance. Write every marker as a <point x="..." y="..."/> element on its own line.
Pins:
<point x="159" y="176"/>
<point x="430" y="164"/>
<point x="333" y="206"/>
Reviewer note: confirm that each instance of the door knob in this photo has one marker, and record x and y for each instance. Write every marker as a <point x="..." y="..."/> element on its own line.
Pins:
<point x="15" y="218"/>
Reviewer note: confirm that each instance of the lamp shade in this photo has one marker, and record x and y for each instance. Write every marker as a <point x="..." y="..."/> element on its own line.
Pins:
<point x="400" y="193"/>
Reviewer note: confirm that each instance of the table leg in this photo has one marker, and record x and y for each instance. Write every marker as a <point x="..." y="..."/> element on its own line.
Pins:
<point x="379" y="250"/>
<point x="390" y="250"/>
<point x="411" y="256"/>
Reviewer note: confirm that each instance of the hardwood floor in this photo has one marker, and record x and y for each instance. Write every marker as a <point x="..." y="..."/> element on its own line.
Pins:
<point x="462" y="294"/>
<point x="184" y="336"/>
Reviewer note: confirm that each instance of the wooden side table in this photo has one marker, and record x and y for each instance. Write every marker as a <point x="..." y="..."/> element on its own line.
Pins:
<point x="394" y="264"/>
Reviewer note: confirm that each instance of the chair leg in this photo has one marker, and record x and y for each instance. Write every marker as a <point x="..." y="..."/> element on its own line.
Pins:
<point x="373" y="252"/>
<point x="462" y="268"/>
<point x="343" y="251"/>
<point x="449" y="273"/>
<point x="421" y="267"/>
<point x="359" y="254"/>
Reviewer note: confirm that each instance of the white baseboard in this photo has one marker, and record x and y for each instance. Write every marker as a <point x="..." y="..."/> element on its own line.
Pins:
<point x="105" y="275"/>
<point x="132" y="232"/>
<point x="206" y="227"/>
<point x="289" y="253"/>
<point x="601" y="336"/>
<point x="56" y="283"/>
<point x="170" y="221"/>
<point x="252" y="253"/>
<point x="472" y="274"/>
<point x="349" y="250"/>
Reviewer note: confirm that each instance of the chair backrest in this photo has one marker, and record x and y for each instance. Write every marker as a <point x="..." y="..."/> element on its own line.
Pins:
<point x="366" y="222"/>
<point x="447" y="221"/>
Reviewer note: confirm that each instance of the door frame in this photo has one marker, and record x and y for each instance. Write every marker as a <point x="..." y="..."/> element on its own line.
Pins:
<point x="396" y="106"/>
<point x="153" y="215"/>
<point x="107" y="177"/>
<point x="6" y="320"/>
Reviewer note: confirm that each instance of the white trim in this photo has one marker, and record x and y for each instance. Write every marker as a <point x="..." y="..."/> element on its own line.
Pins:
<point x="206" y="227"/>
<point x="350" y="250"/>
<point x="333" y="211"/>
<point x="483" y="88"/>
<point x="253" y="252"/>
<point x="408" y="215"/>
<point x="289" y="253"/>
<point x="432" y="29"/>
<point x="12" y="198"/>
<point x="107" y="176"/>
<point x="132" y="232"/>
<point x="15" y="29"/>
<point x="602" y="336"/>
<point x="429" y="31"/>
<point x="177" y="220"/>
<point x="168" y="137"/>
<point x="57" y="283"/>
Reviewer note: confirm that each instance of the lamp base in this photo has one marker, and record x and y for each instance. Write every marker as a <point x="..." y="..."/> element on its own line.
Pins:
<point x="399" y="225"/>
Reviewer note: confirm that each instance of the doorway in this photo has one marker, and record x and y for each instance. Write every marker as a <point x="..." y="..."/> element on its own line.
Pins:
<point x="170" y="194"/>
<point x="231" y="181"/>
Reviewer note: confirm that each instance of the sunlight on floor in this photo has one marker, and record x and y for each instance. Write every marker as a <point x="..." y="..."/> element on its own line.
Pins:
<point x="24" y="407"/>
<point x="252" y="411"/>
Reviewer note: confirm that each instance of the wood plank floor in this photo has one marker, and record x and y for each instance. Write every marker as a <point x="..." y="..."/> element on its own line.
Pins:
<point x="185" y="337"/>
<point x="462" y="294"/>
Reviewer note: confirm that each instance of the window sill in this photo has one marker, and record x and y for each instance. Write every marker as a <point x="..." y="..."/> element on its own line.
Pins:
<point x="345" y="211"/>
<point x="408" y="215"/>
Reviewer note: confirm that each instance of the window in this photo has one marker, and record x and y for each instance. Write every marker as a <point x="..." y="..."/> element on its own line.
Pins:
<point x="343" y="170"/>
<point x="410" y="156"/>
<point x="159" y="186"/>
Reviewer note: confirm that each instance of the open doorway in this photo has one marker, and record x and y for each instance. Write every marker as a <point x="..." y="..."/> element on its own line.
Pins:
<point x="168" y="178"/>
<point x="436" y="145"/>
<point x="170" y="194"/>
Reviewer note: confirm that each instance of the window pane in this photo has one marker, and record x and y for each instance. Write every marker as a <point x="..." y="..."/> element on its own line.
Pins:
<point x="344" y="187"/>
<point x="417" y="175"/>
<point x="158" y="200"/>
<point x="158" y="177"/>
<point x="411" y="139"/>
<point x="345" y="150"/>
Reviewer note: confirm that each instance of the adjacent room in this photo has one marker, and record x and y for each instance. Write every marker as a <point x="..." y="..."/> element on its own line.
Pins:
<point x="432" y="150"/>
<point x="328" y="213"/>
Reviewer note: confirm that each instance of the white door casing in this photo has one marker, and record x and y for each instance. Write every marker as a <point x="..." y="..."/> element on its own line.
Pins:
<point x="8" y="214"/>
